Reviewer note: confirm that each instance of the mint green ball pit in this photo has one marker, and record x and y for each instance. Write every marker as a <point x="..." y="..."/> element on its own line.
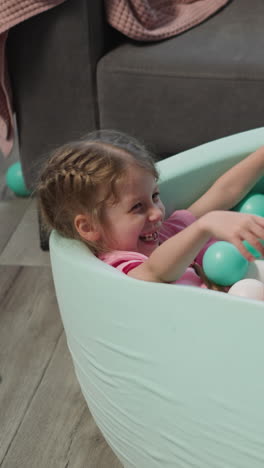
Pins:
<point x="173" y="375"/>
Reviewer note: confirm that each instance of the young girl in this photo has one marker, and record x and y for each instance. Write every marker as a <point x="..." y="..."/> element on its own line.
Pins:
<point x="104" y="191"/>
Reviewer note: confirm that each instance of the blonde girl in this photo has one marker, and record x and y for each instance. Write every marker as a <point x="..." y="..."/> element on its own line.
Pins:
<point x="104" y="191"/>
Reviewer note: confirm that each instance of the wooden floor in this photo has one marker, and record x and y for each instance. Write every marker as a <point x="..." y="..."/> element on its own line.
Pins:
<point x="44" y="420"/>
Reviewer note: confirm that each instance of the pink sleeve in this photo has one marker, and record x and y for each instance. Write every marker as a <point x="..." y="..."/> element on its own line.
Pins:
<point x="122" y="260"/>
<point x="178" y="221"/>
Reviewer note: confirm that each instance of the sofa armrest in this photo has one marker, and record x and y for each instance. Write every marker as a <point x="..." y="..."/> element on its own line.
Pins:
<point x="52" y="60"/>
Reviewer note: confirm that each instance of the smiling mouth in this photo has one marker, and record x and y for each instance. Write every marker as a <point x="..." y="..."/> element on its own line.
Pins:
<point x="149" y="237"/>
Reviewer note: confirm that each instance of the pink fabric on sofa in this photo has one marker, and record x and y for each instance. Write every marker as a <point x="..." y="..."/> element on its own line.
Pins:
<point x="150" y="20"/>
<point x="13" y="12"/>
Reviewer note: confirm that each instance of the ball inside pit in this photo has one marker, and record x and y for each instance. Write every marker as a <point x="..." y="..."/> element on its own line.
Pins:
<point x="223" y="264"/>
<point x="248" y="287"/>
<point x="252" y="204"/>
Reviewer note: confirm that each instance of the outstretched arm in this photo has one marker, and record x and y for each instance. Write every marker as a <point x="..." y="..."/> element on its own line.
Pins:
<point x="169" y="261"/>
<point x="232" y="186"/>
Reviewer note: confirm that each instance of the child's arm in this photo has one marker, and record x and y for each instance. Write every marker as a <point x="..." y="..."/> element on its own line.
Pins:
<point x="169" y="261"/>
<point x="232" y="186"/>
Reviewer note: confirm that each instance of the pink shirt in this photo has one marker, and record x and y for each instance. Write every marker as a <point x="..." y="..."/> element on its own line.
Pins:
<point x="179" y="220"/>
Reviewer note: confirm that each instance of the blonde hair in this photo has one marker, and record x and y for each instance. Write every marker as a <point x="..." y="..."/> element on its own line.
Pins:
<point x="81" y="176"/>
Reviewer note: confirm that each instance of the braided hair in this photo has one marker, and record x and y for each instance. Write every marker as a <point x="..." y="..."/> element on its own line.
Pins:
<point x="82" y="176"/>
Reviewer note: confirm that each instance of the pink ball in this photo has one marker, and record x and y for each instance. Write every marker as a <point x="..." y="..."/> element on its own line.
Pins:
<point x="250" y="288"/>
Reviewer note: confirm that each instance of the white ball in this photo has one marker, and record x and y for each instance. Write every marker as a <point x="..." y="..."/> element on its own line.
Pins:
<point x="248" y="287"/>
<point x="256" y="270"/>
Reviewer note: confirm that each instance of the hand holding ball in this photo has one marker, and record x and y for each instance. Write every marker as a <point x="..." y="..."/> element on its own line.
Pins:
<point x="223" y="264"/>
<point x="252" y="204"/>
<point x="252" y="249"/>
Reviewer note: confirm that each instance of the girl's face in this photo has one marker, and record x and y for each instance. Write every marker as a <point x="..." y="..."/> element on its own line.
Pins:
<point x="133" y="222"/>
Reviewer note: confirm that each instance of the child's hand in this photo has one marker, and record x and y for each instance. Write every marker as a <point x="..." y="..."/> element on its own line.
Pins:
<point x="235" y="227"/>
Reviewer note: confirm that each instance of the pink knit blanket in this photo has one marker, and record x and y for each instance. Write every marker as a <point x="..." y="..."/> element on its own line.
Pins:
<point x="150" y="20"/>
<point x="13" y="12"/>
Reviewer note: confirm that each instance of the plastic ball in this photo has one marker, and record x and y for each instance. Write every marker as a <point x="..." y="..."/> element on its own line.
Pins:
<point x="248" y="287"/>
<point x="252" y="204"/>
<point x="15" y="180"/>
<point x="223" y="264"/>
<point x="256" y="270"/>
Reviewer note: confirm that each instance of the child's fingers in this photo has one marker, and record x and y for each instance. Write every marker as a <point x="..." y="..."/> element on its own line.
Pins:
<point x="259" y="220"/>
<point x="257" y="223"/>
<point x="253" y="233"/>
<point x="254" y="241"/>
<point x="243" y="250"/>
<point x="257" y="231"/>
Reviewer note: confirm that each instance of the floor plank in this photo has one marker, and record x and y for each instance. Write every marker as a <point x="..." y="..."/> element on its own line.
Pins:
<point x="58" y="430"/>
<point x="23" y="247"/>
<point x="30" y="327"/>
<point x="11" y="213"/>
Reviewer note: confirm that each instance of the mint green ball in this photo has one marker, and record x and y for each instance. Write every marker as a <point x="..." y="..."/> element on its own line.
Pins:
<point x="15" y="180"/>
<point x="252" y="204"/>
<point x="223" y="264"/>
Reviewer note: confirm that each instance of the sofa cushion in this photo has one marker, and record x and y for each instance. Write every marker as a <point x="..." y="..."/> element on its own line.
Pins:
<point x="202" y="85"/>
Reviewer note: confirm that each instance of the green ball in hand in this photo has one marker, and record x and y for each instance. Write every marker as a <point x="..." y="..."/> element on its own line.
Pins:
<point x="223" y="264"/>
<point x="252" y="204"/>
<point x="15" y="180"/>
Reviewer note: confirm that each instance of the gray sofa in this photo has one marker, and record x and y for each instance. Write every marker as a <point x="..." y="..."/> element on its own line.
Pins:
<point x="72" y="73"/>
